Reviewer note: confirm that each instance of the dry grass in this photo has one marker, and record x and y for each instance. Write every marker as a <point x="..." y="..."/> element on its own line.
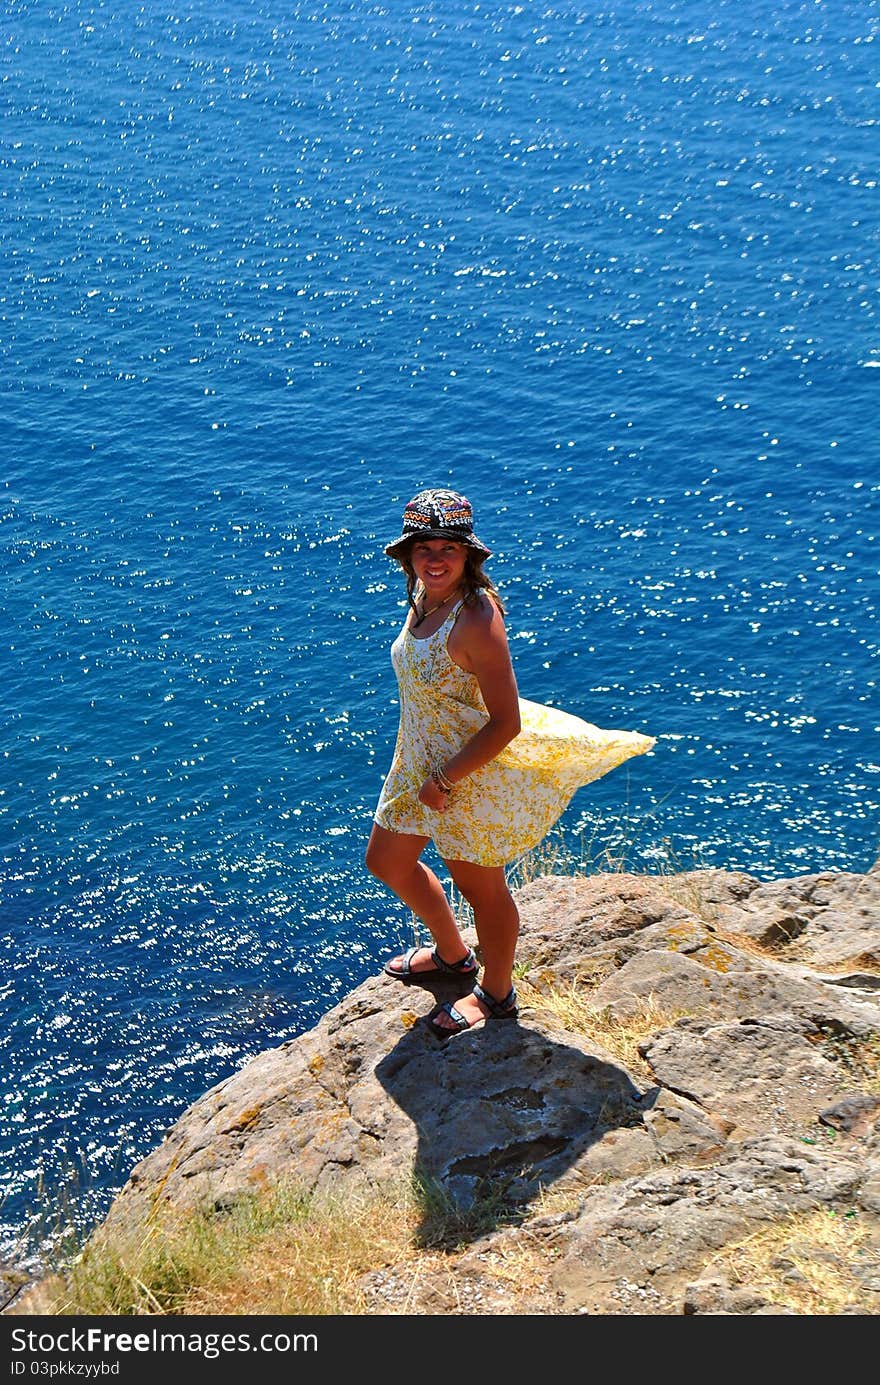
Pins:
<point x="607" y="847"/>
<point x="568" y="1193"/>
<point x="620" y="1037"/>
<point x="688" y="893"/>
<point x="314" y="1267"/>
<point x="742" y="941"/>
<point x="508" y="1278"/>
<point x="288" y="1254"/>
<point x="282" y="1252"/>
<point x="807" y="1264"/>
<point x="555" y="855"/>
<point x="864" y="961"/>
<point x="563" y="853"/>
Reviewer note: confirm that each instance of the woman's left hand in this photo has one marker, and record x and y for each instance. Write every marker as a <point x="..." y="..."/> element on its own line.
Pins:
<point x="433" y="796"/>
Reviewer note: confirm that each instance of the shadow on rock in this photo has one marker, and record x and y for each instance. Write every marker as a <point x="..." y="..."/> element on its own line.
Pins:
<point x="501" y="1113"/>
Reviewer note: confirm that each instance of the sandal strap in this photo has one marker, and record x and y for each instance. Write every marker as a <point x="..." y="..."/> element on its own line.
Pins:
<point x="461" y="1021"/>
<point x="405" y="968"/>
<point x="499" y="1008"/>
<point x="467" y="963"/>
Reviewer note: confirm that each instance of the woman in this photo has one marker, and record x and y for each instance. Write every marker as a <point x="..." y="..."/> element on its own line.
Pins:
<point x="477" y="769"/>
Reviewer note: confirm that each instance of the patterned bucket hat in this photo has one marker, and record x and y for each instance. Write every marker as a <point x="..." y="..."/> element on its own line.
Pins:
<point x="438" y="514"/>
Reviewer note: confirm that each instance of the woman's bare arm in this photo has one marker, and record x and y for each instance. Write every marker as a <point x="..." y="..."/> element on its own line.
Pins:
<point x="479" y="643"/>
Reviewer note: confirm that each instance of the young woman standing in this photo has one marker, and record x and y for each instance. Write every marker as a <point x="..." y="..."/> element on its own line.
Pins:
<point x="477" y="769"/>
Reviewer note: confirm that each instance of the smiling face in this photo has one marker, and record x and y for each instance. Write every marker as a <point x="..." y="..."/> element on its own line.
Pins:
<point x="439" y="565"/>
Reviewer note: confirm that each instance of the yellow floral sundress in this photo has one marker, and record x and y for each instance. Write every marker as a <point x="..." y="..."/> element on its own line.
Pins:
<point x="508" y="806"/>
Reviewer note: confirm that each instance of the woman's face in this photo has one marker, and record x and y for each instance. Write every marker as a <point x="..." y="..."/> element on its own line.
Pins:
<point x="439" y="565"/>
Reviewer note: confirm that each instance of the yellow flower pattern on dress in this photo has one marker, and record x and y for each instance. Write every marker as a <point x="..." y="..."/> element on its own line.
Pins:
<point x="508" y="806"/>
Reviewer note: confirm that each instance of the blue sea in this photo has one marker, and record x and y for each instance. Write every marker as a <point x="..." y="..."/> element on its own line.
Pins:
<point x="268" y="269"/>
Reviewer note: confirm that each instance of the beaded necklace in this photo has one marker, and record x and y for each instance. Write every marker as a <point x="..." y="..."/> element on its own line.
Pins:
<point x="431" y="609"/>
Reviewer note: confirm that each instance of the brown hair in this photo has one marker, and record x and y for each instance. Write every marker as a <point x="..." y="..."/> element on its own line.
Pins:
<point x="474" y="579"/>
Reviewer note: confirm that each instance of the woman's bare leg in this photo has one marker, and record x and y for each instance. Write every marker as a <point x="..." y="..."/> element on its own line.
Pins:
<point x="393" y="857"/>
<point x="496" y="919"/>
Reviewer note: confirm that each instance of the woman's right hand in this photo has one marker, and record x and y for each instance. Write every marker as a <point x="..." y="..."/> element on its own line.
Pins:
<point x="433" y="796"/>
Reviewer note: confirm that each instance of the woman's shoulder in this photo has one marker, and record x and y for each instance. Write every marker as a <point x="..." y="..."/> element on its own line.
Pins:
<point x="480" y="615"/>
<point x="478" y="640"/>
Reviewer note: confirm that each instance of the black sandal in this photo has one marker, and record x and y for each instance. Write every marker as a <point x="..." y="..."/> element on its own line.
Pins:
<point x="467" y="966"/>
<point x="505" y="1009"/>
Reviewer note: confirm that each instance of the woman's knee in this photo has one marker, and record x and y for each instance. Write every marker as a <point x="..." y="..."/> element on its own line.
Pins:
<point x="376" y="860"/>
<point x="485" y="890"/>
<point x="386" y="865"/>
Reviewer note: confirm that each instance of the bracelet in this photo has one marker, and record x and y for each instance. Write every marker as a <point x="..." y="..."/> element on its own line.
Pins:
<point x="441" y="781"/>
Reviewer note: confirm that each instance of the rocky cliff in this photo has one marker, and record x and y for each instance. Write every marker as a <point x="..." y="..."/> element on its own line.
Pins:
<point x="749" y="1100"/>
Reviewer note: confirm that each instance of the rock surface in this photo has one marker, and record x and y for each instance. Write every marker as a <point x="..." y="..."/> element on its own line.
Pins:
<point x="752" y="1097"/>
